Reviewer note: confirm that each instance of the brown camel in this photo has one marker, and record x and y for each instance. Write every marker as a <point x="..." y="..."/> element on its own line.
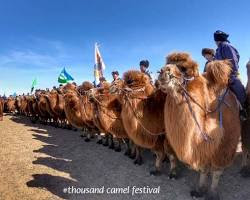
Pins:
<point x="18" y="104"/>
<point x="78" y="109"/>
<point x="42" y="107"/>
<point x="202" y="128"/>
<point x="245" y="136"/>
<point x="108" y="112"/>
<point x="1" y="108"/>
<point x="10" y="105"/>
<point x="143" y="117"/>
<point x="55" y="107"/>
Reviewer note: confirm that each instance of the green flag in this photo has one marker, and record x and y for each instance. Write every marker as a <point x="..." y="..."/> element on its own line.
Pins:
<point x="34" y="83"/>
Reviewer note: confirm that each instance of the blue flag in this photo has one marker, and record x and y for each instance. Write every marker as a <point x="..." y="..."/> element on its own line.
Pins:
<point x="64" y="77"/>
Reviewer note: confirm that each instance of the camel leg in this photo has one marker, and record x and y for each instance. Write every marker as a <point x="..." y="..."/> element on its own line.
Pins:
<point x="173" y="167"/>
<point x="88" y="137"/>
<point x="111" y="145"/>
<point x="138" y="159"/>
<point x="106" y="140"/>
<point x="202" y="187"/>
<point x="213" y="193"/>
<point x="158" y="164"/>
<point x="118" y="146"/>
<point x="133" y="150"/>
<point x="99" y="139"/>
<point x="128" y="148"/>
<point x="245" y="167"/>
<point x="83" y="132"/>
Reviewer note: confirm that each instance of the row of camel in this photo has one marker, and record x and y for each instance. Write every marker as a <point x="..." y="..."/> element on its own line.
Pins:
<point x="186" y="116"/>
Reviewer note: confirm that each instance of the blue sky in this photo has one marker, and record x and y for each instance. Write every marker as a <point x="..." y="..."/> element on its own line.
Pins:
<point x="38" y="38"/>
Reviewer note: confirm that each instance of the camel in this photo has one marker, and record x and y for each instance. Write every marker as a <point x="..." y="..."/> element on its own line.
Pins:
<point x="78" y="109"/>
<point x="201" y="117"/>
<point x="55" y="107"/>
<point x="245" y="136"/>
<point x="42" y="106"/>
<point x="18" y="104"/>
<point x="10" y="105"/>
<point x="108" y="112"/>
<point x="1" y="108"/>
<point x="143" y="117"/>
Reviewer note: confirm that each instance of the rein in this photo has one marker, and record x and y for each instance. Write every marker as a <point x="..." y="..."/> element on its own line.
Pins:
<point x="188" y="97"/>
<point x="127" y="96"/>
<point x="101" y="105"/>
<point x="138" y="119"/>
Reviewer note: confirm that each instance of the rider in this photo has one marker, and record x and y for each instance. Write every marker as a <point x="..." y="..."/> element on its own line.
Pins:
<point x="144" y="64"/>
<point x="101" y="80"/>
<point x="226" y="51"/>
<point x="208" y="54"/>
<point x="115" y="75"/>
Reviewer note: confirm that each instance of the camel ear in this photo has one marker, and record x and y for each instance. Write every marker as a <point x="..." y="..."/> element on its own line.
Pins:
<point x="219" y="72"/>
<point x="191" y="68"/>
<point x="177" y="58"/>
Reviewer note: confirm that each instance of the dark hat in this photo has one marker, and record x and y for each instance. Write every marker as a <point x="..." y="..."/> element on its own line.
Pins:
<point x="220" y="36"/>
<point x="144" y="63"/>
<point x="207" y="51"/>
<point x="115" y="72"/>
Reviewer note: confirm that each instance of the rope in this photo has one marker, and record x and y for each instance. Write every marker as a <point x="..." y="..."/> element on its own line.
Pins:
<point x="137" y="119"/>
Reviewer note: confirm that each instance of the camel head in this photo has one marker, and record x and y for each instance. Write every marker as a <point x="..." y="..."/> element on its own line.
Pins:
<point x="137" y="83"/>
<point x="68" y="87"/>
<point x="116" y="87"/>
<point x="86" y="86"/>
<point x="179" y="70"/>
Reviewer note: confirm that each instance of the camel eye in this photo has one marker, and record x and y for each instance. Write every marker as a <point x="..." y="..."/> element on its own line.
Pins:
<point x="183" y="69"/>
<point x="129" y="81"/>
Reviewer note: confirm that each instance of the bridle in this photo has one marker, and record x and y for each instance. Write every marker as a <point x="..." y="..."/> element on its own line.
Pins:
<point x="188" y="98"/>
<point x="128" y="95"/>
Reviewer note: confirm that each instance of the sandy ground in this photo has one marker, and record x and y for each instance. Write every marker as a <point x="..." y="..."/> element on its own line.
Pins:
<point x="39" y="162"/>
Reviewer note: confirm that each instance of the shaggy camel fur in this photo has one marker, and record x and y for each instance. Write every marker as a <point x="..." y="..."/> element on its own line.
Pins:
<point x="78" y="109"/>
<point x="143" y="117"/>
<point x="55" y="107"/>
<point x="108" y="112"/>
<point x="10" y="105"/>
<point x="1" y="108"/>
<point x="245" y="136"/>
<point x="42" y="107"/>
<point x="18" y="104"/>
<point x="192" y="122"/>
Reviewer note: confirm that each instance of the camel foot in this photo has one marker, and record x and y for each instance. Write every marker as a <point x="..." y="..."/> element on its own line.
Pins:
<point x="87" y="140"/>
<point x="127" y="152"/>
<point x="212" y="196"/>
<point x="173" y="175"/>
<point x="92" y="136"/>
<point x="201" y="192"/>
<point x="112" y="146"/>
<point x="132" y="156"/>
<point x="118" y="149"/>
<point x="155" y="172"/>
<point x="83" y="136"/>
<point x="245" y="172"/>
<point x="99" y="142"/>
<point x="106" y="143"/>
<point x="138" y="161"/>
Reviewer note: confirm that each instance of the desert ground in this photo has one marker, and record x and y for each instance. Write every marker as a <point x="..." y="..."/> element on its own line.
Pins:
<point x="39" y="162"/>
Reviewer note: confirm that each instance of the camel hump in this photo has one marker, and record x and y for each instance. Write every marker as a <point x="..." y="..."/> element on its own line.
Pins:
<point x="135" y="77"/>
<point x="219" y="71"/>
<point x="178" y="57"/>
<point x="86" y="85"/>
<point x="184" y="62"/>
